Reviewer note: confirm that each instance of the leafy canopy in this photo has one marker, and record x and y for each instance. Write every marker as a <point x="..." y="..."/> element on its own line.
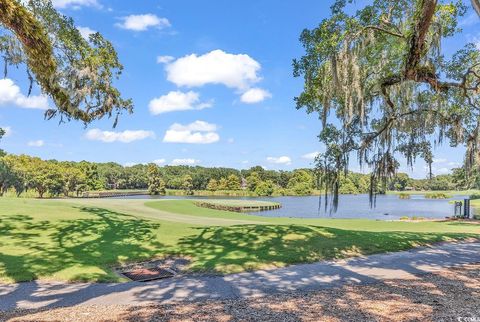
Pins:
<point x="384" y="88"/>
<point x="76" y="73"/>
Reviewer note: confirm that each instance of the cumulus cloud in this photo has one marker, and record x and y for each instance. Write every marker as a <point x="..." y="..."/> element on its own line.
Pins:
<point x="198" y="132"/>
<point x="159" y="161"/>
<point x="184" y="162"/>
<point x="143" y="22"/>
<point x="177" y="101"/>
<point x="75" y="4"/>
<point x="85" y="32"/>
<point x="165" y="59"/>
<point x="311" y="155"/>
<point x="439" y="160"/>
<point x="280" y="160"/>
<point x="36" y="143"/>
<point x="131" y="164"/>
<point x="216" y="67"/>
<point x="255" y="95"/>
<point x="454" y="164"/>
<point x="10" y="94"/>
<point x="124" y="137"/>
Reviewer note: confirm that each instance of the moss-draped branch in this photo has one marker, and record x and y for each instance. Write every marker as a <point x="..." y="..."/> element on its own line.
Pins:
<point x="77" y="74"/>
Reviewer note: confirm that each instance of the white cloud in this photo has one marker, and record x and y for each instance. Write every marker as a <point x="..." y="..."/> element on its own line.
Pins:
<point x="439" y="160"/>
<point x="165" y="59"/>
<point x="454" y="164"/>
<point x="131" y="164"/>
<point x="231" y="140"/>
<point x="184" y="162"/>
<point x="36" y="143"/>
<point x="75" y="4"/>
<point x="280" y="160"/>
<point x="85" y="32"/>
<point x="177" y="101"/>
<point x="201" y="126"/>
<point x="216" y="67"/>
<point x="7" y="129"/>
<point x="198" y="132"/>
<point x="124" y="137"/>
<point x="159" y="161"/>
<point x="10" y="94"/>
<point x="311" y="155"/>
<point x="441" y="171"/>
<point x="255" y="95"/>
<point x="143" y="22"/>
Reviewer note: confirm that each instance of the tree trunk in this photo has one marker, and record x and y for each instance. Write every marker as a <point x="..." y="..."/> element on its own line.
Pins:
<point x="476" y="6"/>
<point x="423" y="19"/>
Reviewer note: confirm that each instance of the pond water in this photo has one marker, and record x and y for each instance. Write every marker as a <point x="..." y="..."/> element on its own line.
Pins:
<point x="388" y="207"/>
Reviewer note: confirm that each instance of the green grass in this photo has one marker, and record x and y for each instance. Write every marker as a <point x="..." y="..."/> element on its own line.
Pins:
<point x="448" y="192"/>
<point x="80" y="240"/>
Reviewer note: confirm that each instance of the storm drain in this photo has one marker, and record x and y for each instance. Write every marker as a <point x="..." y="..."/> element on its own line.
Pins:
<point x="148" y="274"/>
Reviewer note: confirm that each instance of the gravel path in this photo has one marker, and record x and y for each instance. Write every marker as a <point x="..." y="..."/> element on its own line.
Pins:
<point x="296" y="278"/>
<point x="447" y="295"/>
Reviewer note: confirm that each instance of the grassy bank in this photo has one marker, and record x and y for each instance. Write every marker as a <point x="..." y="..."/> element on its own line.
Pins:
<point x="446" y="192"/>
<point x="79" y="240"/>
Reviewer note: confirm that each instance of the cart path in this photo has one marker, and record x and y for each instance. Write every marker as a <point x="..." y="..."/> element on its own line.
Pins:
<point x="305" y="277"/>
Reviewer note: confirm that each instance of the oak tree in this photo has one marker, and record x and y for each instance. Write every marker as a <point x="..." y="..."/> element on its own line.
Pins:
<point x="385" y="89"/>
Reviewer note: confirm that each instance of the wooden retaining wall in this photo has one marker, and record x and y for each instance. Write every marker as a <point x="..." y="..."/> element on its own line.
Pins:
<point x="211" y="205"/>
<point x="109" y="194"/>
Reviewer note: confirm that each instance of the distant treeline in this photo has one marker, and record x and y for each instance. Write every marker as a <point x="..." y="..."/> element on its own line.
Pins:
<point x="23" y="174"/>
<point x="52" y="178"/>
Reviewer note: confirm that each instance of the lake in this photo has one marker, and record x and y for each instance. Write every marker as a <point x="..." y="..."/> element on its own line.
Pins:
<point x="388" y="207"/>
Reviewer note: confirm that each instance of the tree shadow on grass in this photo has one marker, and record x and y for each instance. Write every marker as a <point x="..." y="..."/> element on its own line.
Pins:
<point x="247" y="247"/>
<point x="85" y="247"/>
<point x="228" y="248"/>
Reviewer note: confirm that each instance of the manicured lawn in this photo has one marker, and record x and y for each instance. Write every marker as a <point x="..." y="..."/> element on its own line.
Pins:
<point x="79" y="240"/>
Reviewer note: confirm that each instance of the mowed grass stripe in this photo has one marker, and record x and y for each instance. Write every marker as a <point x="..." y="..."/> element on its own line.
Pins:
<point x="189" y="215"/>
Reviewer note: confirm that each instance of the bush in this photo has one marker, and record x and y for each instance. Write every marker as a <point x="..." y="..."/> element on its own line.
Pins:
<point x="404" y="218"/>
<point x="437" y="195"/>
<point x="265" y="188"/>
<point x="474" y="196"/>
<point x="417" y="218"/>
<point x="404" y="196"/>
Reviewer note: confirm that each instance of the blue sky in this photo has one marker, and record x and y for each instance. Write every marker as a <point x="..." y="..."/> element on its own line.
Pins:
<point x="211" y="83"/>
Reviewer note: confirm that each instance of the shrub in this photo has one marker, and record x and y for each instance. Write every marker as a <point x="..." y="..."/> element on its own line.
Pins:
<point x="404" y="195"/>
<point x="437" y="195"/>
<point x="417" y="218"/>
<point x="474" y="196"/>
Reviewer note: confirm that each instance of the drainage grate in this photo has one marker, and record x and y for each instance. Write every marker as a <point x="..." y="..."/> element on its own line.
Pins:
<point x="148" y="274"/>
